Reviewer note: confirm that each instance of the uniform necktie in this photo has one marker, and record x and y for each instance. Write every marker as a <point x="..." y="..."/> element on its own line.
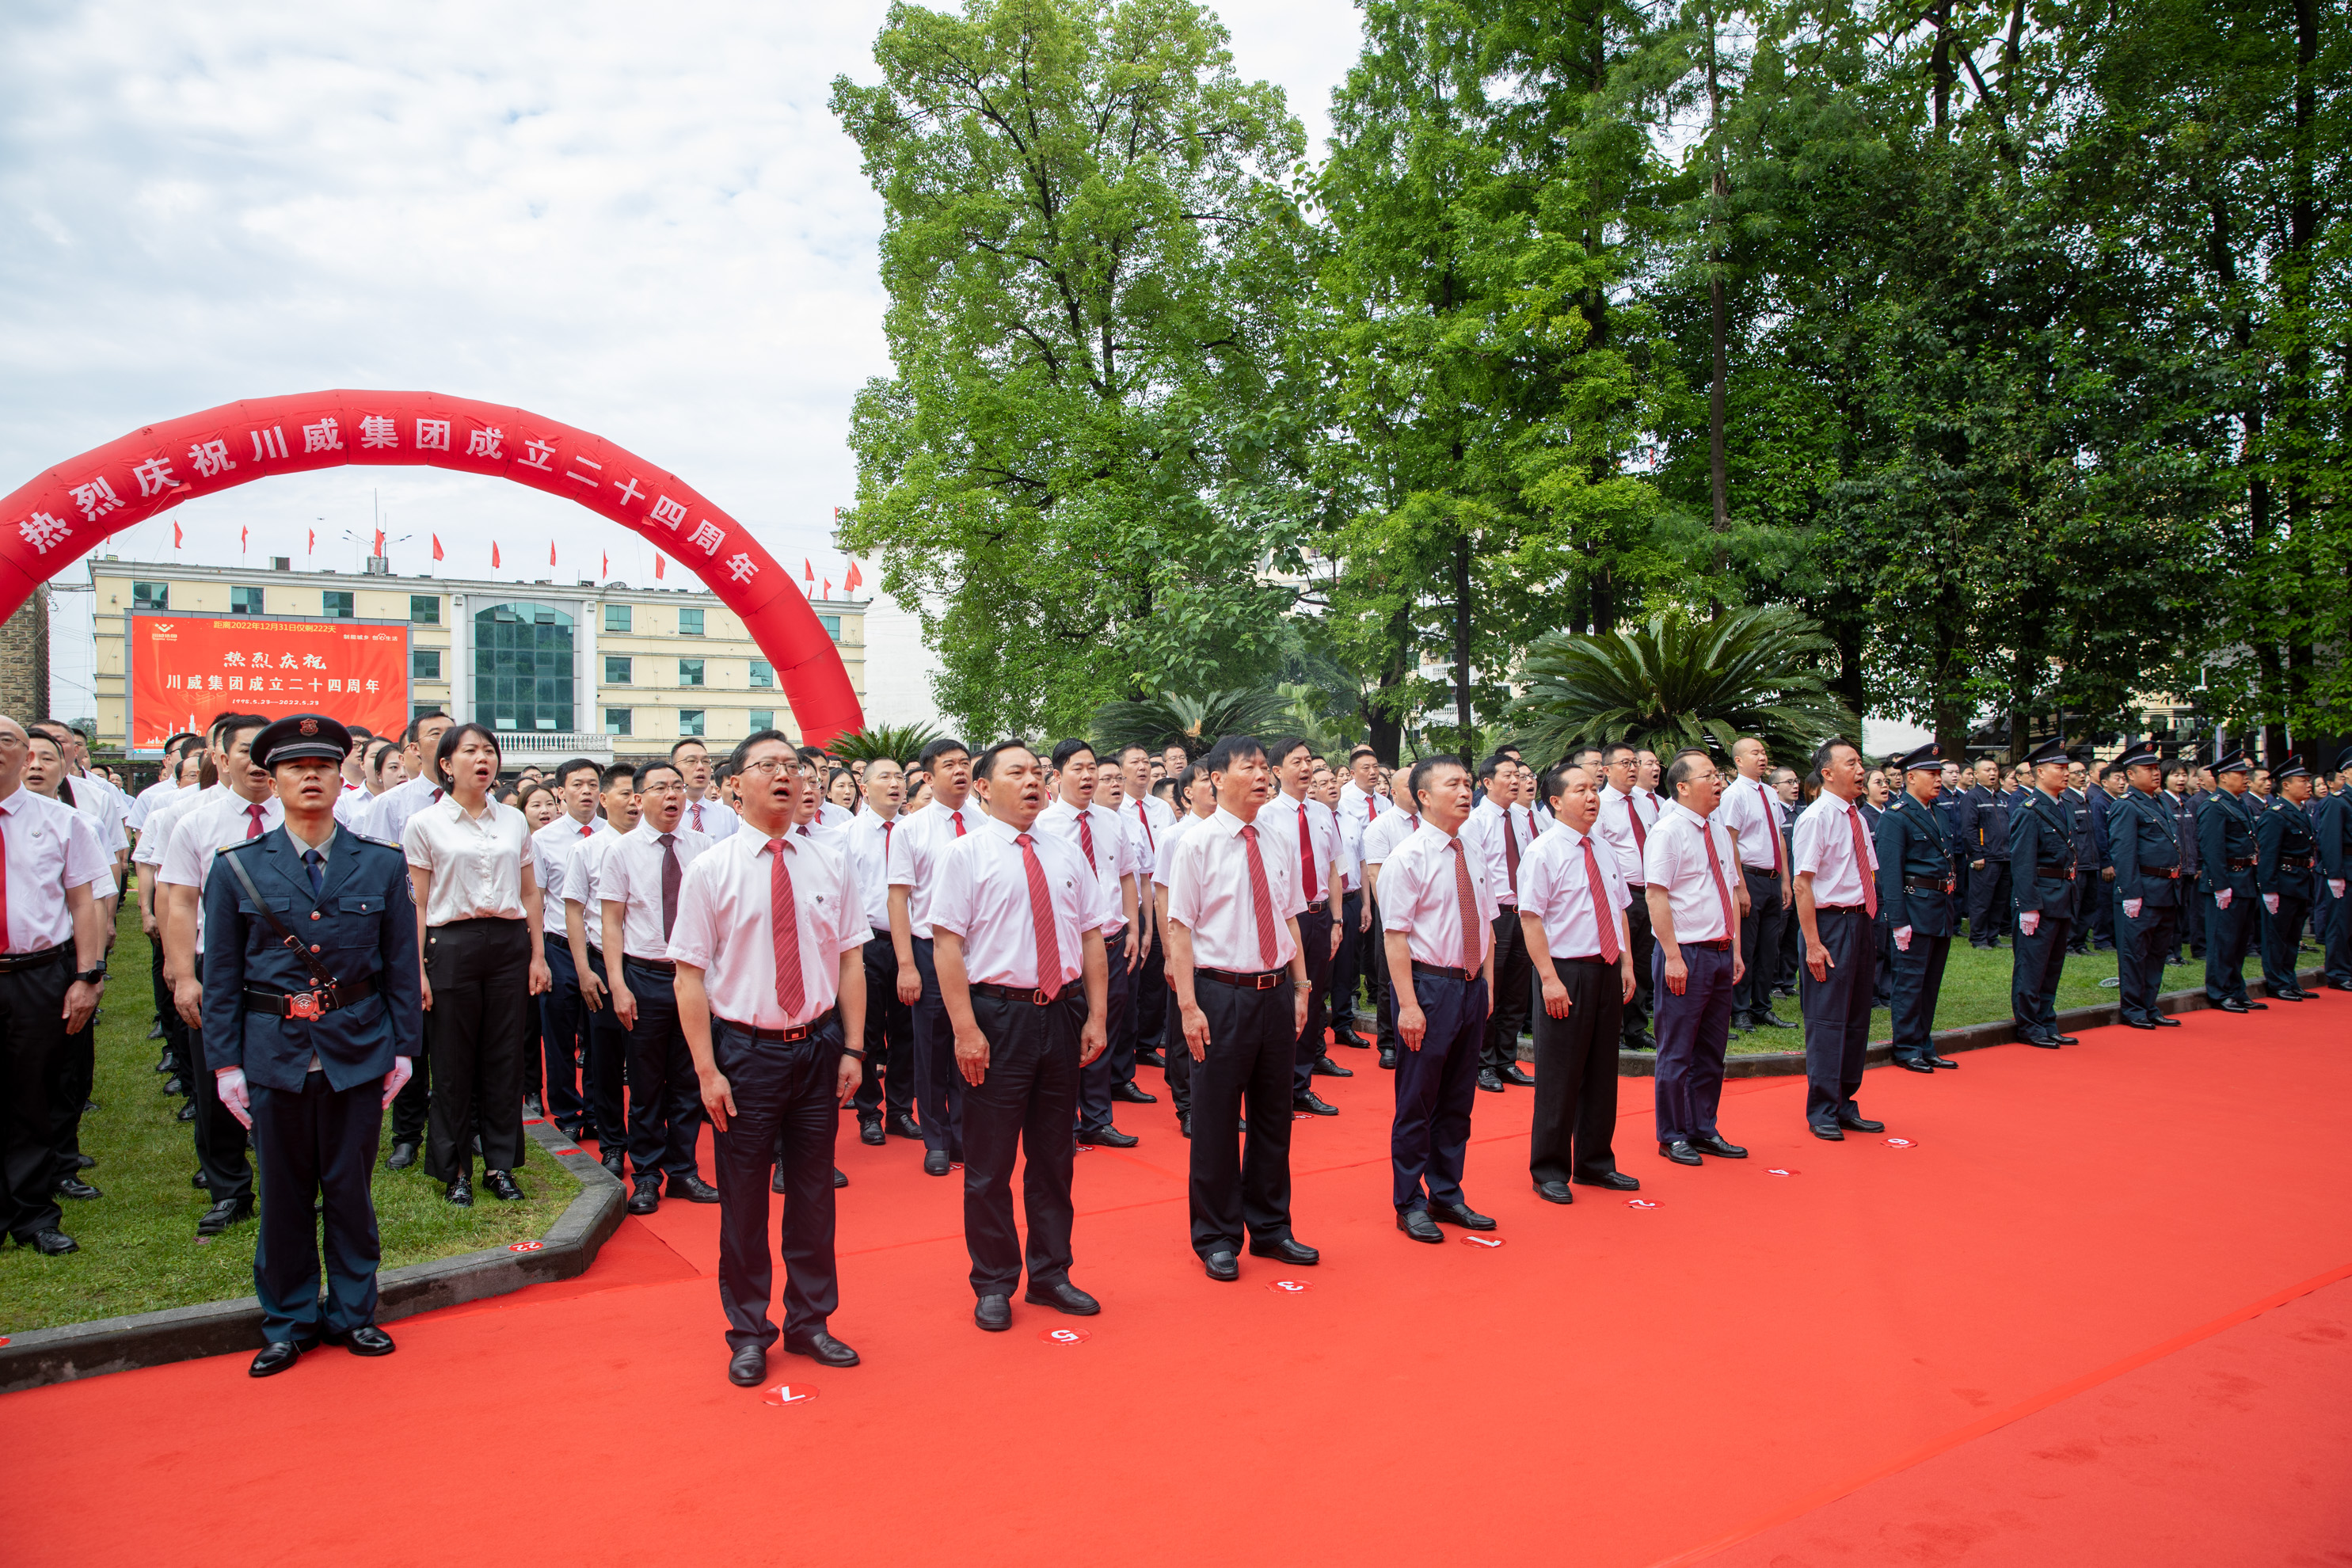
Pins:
<point x="671" y="875"/>
<point x="1372" y="805"/>
<point x="1145" y="817"/>
<point x="957" y="817"/>
<point x="6" y="860"/>
<point x="1261" y="898"/>
<point x="1468" y="895"/>
<point x="1510" y="850"/>
<point x="1771" y="822"/>
<point x="1307" y="856"/>
<point x="1862" y="865"/>
<point x="698" y="817"/>
<point x="1041" y="917"/>
<point x="1640" y="834"/>
<point x="587" y="830"/>
<point x="1415" y="818"/>
<point x="1086" y="842"/>
<point x="1715" y="869"/>
<point x="1605" y="916"/>
<point x="784" y="931"/>
<point x="253" y="823"/>
<point x="315" y="861"/>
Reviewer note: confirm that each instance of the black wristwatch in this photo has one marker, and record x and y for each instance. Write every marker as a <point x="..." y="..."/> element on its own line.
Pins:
<point x="93" y="975"/>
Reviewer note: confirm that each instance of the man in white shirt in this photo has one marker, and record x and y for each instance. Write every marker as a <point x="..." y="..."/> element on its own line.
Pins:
<point x="605" y="1053"/>
<point x="1751" y="810"/>
<point x="1361" y="796"/>
<point x="1354" y="918"/>
<point x="1102" y="840"/>
<point x="387" y="816"/>
<point x="1572" y="908"/>
<point x="1200" y="804"/>
<point x="1837" y="905"/>
<point x="167" y="781"/>
<point x="1398" y="820"/>
<point x="1305" y="833"/>
<point x="1234" y="903"/>
<point x="562" y="1014"/>
<point x="1440" y="914"/>
<point x="1149" y="818"/>
<point x="1110" y="796"/>
<point x="1628" y="812"/>
<point x="769" y="986"/>
<point x="53" y="872"/>
<point x="1688" y="866"/>
<point x="147" y="856"/>
<point x="705" y="812"/>
<point x="915" y="851"/>
<point x="1500" y="830"/>
<point x="889" y="1077"/>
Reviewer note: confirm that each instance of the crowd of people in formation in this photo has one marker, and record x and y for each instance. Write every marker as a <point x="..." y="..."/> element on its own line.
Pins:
<point x="985" y="954"/>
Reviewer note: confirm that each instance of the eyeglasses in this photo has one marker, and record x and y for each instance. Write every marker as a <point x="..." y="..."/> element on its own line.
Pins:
<point x="766" y="765"/>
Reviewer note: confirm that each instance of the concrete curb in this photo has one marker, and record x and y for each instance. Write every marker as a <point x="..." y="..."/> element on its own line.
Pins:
<point x="39" y="1356"/>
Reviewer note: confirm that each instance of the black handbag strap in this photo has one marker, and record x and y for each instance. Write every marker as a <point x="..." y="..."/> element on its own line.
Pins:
<point x="319" y="978"/>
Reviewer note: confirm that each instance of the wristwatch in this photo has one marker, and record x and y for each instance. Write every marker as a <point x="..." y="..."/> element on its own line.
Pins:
<point x="93" y="975"/>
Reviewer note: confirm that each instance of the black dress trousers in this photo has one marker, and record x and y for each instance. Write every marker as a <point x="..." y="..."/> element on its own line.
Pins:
<point x="1025" y="1107"/>
<point x="1174" y="1051"/>
<point x="1635" y="1030"/>
<point x="1837" y="1014"/>
<point x="317" y="1144"/>
<point x="1760" y="944"/>
<point x="219" y="1136"/>
<point x="1315" y="943"/>
<point x="783" y="1097"/>
<point x="889" y="1075"/>
<point x="1576" y="1075"/>
<point x="1238" y="1189"/>
<point x="32" y="1034"/>
<point x="939" y="1086"/>
<point x="665" y="1091"/>
<point x="1515" y="979"/>
<point x="480" y="974"/>
<point x="1095" y="1080"/>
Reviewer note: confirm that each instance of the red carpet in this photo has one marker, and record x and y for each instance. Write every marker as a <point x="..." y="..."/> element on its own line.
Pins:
<point x="1613" y="1386"/>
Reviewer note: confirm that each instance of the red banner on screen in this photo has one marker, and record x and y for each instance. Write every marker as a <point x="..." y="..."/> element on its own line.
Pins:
<point x="185" y="668"/>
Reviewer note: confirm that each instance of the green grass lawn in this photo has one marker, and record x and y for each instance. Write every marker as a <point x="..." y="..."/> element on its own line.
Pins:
<point x="139" y="1247"/>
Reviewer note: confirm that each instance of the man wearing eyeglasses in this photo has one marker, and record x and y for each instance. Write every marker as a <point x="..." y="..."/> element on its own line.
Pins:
<point x="1688" y="867"/>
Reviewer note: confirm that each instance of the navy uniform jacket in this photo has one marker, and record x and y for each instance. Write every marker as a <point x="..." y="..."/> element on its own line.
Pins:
<point x="364" y="927"/>
<point x="2184" y="818"/>
<point x="1984" y="825"/>
<point x="2331" y="831"/>
<point x="2041" y="854"/>
<point x="2101" y="802"/>
<point x="2086" y="848"/>
<point x="2225" y="832"/>
<point x="1914" y="846"/>
<point x="2283" y="834"/>
<point x="2144" y="837"/>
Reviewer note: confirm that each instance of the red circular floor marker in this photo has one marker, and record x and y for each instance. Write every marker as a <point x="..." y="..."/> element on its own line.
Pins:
<point x="1487" y="1241"/>
<point x="785" y="1393"/>
<point x="1085" y="1149"/>
<point x="4" y="1339"/>
<point x="526" y="1245"/>
<point x="1641" y="1203"/>
<point x="1781" y="1171"/>
<point x="1302" y="1116"/>
<point x="1065" y="1336"/>
<point x="1280" y="1288"/>
<point x="1900" y="1143"/>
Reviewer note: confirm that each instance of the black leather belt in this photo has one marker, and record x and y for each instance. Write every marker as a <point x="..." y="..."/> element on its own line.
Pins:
<point x="2056" y="873"/>
<point x="17" y="963"/>
<point x="2246" y="865"/>
<point x="791" y="1036"/>
<point x="2169" y="873"/>
<point x="2295" y="863"/>
<point x="658" y="965"/>
<point x="1720" y="945"/>
<point x="1318" y="906"/>
<point x="1445" y="971"/>
<point x="1837" y="909"/>
<point x="1586" y="958"/>
<point x="1930" y="887"/>
<point x="1031" y="995"/>
<point x="306" y="1004"/>
<point x="1265" y="980"/>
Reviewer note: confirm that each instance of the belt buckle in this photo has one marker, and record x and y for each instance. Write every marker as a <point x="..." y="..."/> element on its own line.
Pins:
<point x="302" y="1004"/>
<point x="1037" y="998"/>
<point x="1951" y="884"/>
<point x="1267" y="982"/>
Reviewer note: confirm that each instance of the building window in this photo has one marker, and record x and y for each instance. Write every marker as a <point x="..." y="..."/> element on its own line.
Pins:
<point x="337" y="603"/>
<point x="423" y="609"/>
<point x="619" y="721"/>
<point x="690" y="672"/>
<point x="689" y="623"/>
<point x="522" y="667"/>
<point x="689" y="721"/>
<point x="245" y="601"/>
<point x="764" y="676"/>
<point x="832" y="626"/>
<point x="762" y="719"/>
<point x="616" y="619"/>
<point x="616" y="669"/>
<point x="421" y="710"/>
<point x="150" y="596"/>
<point x="424" y="664"/>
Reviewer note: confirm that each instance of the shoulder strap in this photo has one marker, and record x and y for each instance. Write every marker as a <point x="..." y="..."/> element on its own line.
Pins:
<point x="318" y="976"/>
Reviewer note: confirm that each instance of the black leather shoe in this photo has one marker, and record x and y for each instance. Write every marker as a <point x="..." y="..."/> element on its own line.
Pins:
<point x="613" y="1162"/>
<point x="1462" y="1214"/>
<point x="1860" y="1124"/>
<point x="274" y="1358"/>
<point x="748" y="1368"/>
<point x="2231" y="1004"/>
<point x="197" y="1181"/>
<point x="1488" y="1081"/>
<point x="1314" y="1104"/>
<point x="1828" y="1131"/>
<point x="840" y="1178"/>
<point x="1716" y="1146"/>
<point x="2067" y="1039"/>
<point x="1517" y="1077"/>
<point x="503" y="1186"/>
<point x="903" y="1125"/>
<point x="1344" y="1035"/>
<point x="1555" y="1192"/>
<point x="1771" y="1020"/>
<point x="2297" y="994"/>
<point x="2163" y="1022"/>
<point x="1935" y="1060"/>
<point x="870" y="1133"/>
<point x="2137" y="1023"/>
<point x="822" y="1348"/>
<point x="935" y="1161"/>
<point x="188" y="1113"/>
<point x="993" y="1313"/>
<point x="1639" y="1040"/>
<point x="85" y="1161"/>
<point x="1109" y="1137"/>
<point x="2043" y="1042"/>
<point x="1388" y="1057"/>
<point x="645" y="1196"/>
<point x="776" y="1179"/>
<point x="1615" y="1181"/>
<point x="1144" y="1058"/>
<point x="1285" y="1249"/>
<point x="1063" y="1297"/>
<point x="693" y="1188"/>
<point x="80" y="1191"/>
<point x="460" y="1194"/>
<point x="223" y="1214"/>
<point x="1916" y="1064"/>
<point x="1416" y="1224"/>
<point x="53" y="1242"/>
<point x="1324" y="1067"/>
<point x="1680" y="1153"/>
<point x="1184" y="1122"/>
<point x="1134" y="1095"/>
<point x="155" y="1030"/>
<point x="530" y="1106"/>
<point x="2258" y="1007"/>
<point x="1222" y="1265"/>
<point x="174" y="1086"/>
<point x="402" y="1156"/>
<point x="365" y="1340"/>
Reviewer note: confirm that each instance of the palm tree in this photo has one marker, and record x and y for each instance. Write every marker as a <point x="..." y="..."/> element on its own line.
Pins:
<point x="899" y="743"/>
<point x="1193" y="722"/>
<point x="1679" y="682"/>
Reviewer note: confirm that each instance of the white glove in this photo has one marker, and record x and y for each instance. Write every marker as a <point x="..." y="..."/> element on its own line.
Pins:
<point x="231" y="1083"/>
<point x="1902" y="939"/>
<point x="2269" y="902"/>
<point x="403" y="1069"/>
<point x="2131" y="908"/>
<point x="2029" y="921"/>
<point x="2221" y="899"/>
<point x="2335" y="887"/>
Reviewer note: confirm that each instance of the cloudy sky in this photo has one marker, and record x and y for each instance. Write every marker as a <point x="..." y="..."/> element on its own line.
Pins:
<point x="641" y="220"/>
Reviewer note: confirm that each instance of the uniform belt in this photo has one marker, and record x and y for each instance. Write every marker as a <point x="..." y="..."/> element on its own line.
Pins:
<point x="17" y="963"/>
<point x="306" y="1004"/>
<point x="1928" y="887"/>
<point x="2236" y="865"/>
<point x="658" y="965"/>
<point x="1585" y="958"/>
<point x="1318" y="906"/>
<point x="1445" y="971"/>
<point x="791" y="1036"/>
<point x="1715" y="944"/>
<point x="1264" y="980"/>
<point x="2056" y="873"/>
<point x="1029" y="993"/>
<point x="1836" y="909"/>
<point x="2295" y="862"/>
<point x="2169" y="873"/>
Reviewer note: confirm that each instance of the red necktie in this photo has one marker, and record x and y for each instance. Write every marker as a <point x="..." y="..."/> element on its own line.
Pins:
<point x="1862" y="865"/>
<point x="957" y="817"/>
<point x="698" y="817"/>
<point x="784" y="931"/>
<point x="1771" y="822"/>
<point x="1086" y="842"/>
<point x="1715" y="869"/>
<point x="1641" y="835"/>
<point x="1510" y="850"/>
<point x="1145" y="817"/>
<point x="1041" y="916"/>
<point x="1468" y="895"/>
<point x="1606" y="916"/>
<point x="5" y="816"/>
<point x="1261" y="899"/>
<point x="1307" y="855"/>
<point x="253" y="826"/>
<point x="587" y="830"/>
<point x="672" y="874"/>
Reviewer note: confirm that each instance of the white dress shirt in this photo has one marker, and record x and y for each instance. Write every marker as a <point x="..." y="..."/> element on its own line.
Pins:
<point x="867" y="841"/>
<point x="832" y="816"/>
<point x="551" y="848"/>
<point x="983" y="896"/>
<point x="1556" y="887"/>
<point x="915" y="851"/>
<point x="1615" y="828"/>
<point x="1209" y="893"/>
<point x="157" y="835"/>
<point x="208" y="827"/>
<point x="1420" y="897"/>
<point x="1115" y="857"/>
<point x="1144" y="830"/>
<point x="1169" y="836"/>
<point x="47" y="847"/>
<point x="476" y="863"/>
<point x="1751" y="809"/>
<point x="1676" y="861"/>
<point x="108" y="812"/>
<point x="577" y="880"/>
<point x="726" y="925"/>
<point x="1484" y="833"/>
<point x="710" y="816"/>
<point x="630" y="875"/>
<point x="387" y="818"/>
<point x="1362" y="805"/>
<point x="1824" y="846"/>
<point x="355" y="809"/>
<point x="1352" y="851"/>
<point x="155" y="795"/>
<point x="1279" y="821"/>
<point x="1386" y="831"/>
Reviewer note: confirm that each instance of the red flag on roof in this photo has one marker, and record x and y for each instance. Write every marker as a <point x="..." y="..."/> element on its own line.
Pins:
<point x="550" y="552"/>
<point x="175" y="536"/>
<point x="851" y="582"/>
<point x="808" y="569"/>
<point x="658" y="564"/>
<point x="494" y="555"/>
<point x="437" y="547"/>
<point x="828" y="587"/>
<point x="314" y="545"/>
<point x="607" y="572"/>
<point x="379" y="541"/>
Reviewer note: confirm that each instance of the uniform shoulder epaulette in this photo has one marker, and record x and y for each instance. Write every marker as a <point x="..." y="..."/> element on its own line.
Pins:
<point x="242" y="843"/>
<point x="379" y="843"/>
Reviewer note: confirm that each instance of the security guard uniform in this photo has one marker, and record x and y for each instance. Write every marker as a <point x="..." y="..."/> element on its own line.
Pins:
<point x="2086" y="869"/>
<point x="2042" y="860"/>
<point x="2331" y="830"/>
<point x="1916" y="898"/>
<point x="2286" y="855"/>
<point x="2227" y="851"/>
<point x="2144" y="842"/>
<point x="1984" y="837"/>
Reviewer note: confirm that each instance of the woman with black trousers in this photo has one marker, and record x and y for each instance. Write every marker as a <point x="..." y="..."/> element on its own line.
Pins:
<point x="478" y="911"/>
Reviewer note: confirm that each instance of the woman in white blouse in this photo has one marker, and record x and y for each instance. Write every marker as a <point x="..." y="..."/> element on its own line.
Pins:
<point x="477" y="913"/>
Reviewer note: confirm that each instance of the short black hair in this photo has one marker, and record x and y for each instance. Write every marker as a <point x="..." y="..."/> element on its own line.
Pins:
<point x="1184" y="783"/>
<point x="1064" y="749"/>
<point x="742" y="751"/>
<point x="616" y="774"/>
<point x="1279" y="752"/>
<point x="1133" y="746"/>
<point x="569" y="766"/>
<point x="1679" y="771"/>
<point x="985" y="768"/>
<point x="1165" y="788"/>
<point x="1491" y="767"/>
<point x="376" y="753"/>
<point x="1826" y="753"/>
<point x="453" y="737"/>
<point x="683" y="742"/>
<point x="1362" y="751"/>
<point x="181" y="742"/>
<point x="1555" y="778"/>
<point x="1428" y="765"/>
<point x="415" y="730"/>
<point x="940" y="748"/>
<point x="1229" y="750"/>
<point x="1609" y="753"/>
<point x="648" y="772"/>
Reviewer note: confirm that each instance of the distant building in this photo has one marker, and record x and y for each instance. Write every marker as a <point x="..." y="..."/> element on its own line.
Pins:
<point x="24" y="659"/>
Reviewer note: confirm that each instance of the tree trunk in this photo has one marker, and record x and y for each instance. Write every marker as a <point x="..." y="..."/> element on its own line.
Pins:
<point x="1718" y="484"/>
<point x="1462" y="640"/>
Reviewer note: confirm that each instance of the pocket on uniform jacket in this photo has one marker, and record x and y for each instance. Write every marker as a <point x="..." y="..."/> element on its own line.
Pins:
<point x="245" y="906"/>
<point x="362" y="906"/>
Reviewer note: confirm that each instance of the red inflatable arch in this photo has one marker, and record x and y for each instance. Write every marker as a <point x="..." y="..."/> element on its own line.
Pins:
<point x="62" y="515"/>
